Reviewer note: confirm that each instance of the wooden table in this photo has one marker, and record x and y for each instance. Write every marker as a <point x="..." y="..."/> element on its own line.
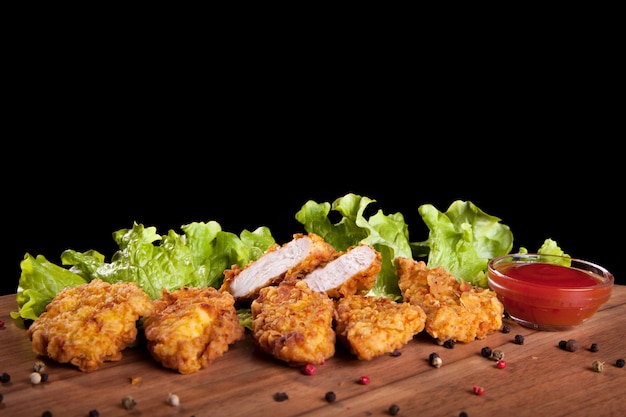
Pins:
<point x="540" y="379"/>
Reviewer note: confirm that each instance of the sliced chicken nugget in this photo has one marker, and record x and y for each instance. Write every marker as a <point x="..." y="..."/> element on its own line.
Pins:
<point x="372" y="326"/>
<point x="90" y="324"/>
<point x="297" y="257"/>
<point x="191" y="327"/>
<point x="293" y="323"/>
<point x="352" y="272"/>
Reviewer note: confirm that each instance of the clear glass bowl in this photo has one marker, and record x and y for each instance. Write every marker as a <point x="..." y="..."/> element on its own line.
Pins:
<point x="549" y="292"/>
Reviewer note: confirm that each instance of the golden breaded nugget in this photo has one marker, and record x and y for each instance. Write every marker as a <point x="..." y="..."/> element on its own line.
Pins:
<point x="293" y="323"/>
<point x="191" y="327"/>
<point x="372" y="326"/>
<point x="90" y="324"/>
<point x="455" y="310"/>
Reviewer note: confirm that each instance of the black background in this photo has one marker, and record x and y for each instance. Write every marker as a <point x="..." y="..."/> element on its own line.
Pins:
<point x="68" y="197"/>
<point x="94" y="143"/>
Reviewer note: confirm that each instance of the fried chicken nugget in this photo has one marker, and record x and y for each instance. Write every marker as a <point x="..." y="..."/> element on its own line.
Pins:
<point x="455" y="310"/>
<point x="191" y="327"/>
<point x="372" y="326"/>
<point x="293" y="323"/>
<point x="89" y="324"/>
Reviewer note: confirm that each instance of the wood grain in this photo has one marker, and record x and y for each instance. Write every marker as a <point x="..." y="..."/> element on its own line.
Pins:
<point x="539" y="379"/>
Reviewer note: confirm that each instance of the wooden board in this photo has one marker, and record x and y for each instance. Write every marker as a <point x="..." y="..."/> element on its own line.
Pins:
<point x="539" y="379"/>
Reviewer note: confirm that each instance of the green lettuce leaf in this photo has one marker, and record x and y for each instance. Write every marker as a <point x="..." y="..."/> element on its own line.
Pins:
<point x="39" y="282"/>
<point x="464" y="239"/>
<point x="195" y="258"/>
<point x="386" y="233"/>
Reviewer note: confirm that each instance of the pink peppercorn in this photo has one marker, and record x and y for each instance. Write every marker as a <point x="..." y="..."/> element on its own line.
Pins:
<point x="364" y="380"/>
<point x="309" y="369"/>
<point x="1" y="323"/>
<point x="478" y="390"/>
<point x="501" y="364"/>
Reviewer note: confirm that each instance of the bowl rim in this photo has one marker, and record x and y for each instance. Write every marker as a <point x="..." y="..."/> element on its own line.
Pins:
<point x="607" y="278"/>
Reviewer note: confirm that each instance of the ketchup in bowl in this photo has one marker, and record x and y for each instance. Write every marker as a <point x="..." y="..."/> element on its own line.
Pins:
<point x="549" y="292"/>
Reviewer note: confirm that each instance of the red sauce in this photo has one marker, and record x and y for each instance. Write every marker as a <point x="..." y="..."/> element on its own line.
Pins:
<point x="548" y="296"/>
<point x="552" y="275"/>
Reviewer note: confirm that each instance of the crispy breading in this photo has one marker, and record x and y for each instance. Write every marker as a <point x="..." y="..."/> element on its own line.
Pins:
<point x="89" y="324"/>
<point x="455" y="309"/>
<point x="372" y="326"/>
<point x="293" y="323"/>
<point x="191" y="327"/>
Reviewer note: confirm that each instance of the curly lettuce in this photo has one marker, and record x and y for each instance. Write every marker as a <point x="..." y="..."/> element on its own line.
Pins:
<point x="464" y="239"/>
<point x="197" y="257"/>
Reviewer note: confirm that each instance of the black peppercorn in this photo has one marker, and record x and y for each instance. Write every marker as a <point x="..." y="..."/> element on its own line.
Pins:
<point x="396" y="352"/>
<point x="562" y="344"/>
<point x="448" y="344"/>
<point x="1" y="398"/>
<point x="619" y="363"/>
<point x="486" y="352"/>
<point x="4" y="377"/>
<point x="462" y="414"/>
<point x="94" y="413"/>
<point x="281" y="396"/>
<point x="571" y="345"/>
<point x="594" y="347"/>
<point x="519" y="339"/>
<point x="506" y="328"/>
<point x="394" y="409"/>
<point x="330" y="396"/>
<point x="46" y="414"/>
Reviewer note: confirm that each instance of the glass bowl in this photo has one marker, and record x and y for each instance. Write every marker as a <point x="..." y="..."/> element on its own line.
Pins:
<point x="549" y="292"/>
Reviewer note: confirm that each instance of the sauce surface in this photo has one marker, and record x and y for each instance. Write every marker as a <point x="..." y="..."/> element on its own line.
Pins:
<point x="552" y="275"/>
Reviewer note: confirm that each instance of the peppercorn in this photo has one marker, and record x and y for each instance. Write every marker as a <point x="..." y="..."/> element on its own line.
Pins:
<point x="1" y="398"/>
<point x="562" y="344"/>
<point x="463" y="414"/>
<point x="173" y="400"/>
<point x="598" y="366"/>
<point x="364" y="380"/>
<point x="39" y="366"/>
<point x="394" y="409"/>
<point x="436" y="362"/>
<point x="449" y="344"/>
<point x="35" y="378"/>
<point x="128" y="402"/>
<point x="506" y="328"/>
<point x="519" y="339"/>
<point x="594" y="347"/>
<point x="619" y="363"/>
<point x="501" y="364"/>
<point x="94" y="413"/>
<point x="330" y="396"/>
<point x="478" y="390"/>
<point x="396" y="352"/>
<point x="486" y="352"/>
<point x="46" y="414"/>
<point x="309" y="369"/>
<point x="571" y="345"/>
<point x="281" y="396"/>
<point x="1" y="324"/>
<point x="4" y="377"/>
<point x="496" y="355"/>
